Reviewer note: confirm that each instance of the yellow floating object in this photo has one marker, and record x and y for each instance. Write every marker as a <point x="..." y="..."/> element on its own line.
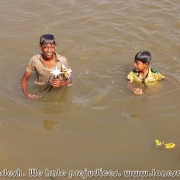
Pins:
<point x="158" y="143"/>
<point x="169" y="146"/>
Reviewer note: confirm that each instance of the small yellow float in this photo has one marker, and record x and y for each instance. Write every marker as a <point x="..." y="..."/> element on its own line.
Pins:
<point x="167" y="146"/>
<point x="158" y="143"/>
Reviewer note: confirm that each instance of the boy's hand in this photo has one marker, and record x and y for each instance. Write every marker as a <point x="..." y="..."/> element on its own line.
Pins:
<point x="30" y="95"/>
<point x="137" y="91"/>
<point x="57" y="82"/>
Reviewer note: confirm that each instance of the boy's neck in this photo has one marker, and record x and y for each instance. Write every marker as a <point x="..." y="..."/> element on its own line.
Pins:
<point x="144" y="73"/>
<point x="49" y="62"/>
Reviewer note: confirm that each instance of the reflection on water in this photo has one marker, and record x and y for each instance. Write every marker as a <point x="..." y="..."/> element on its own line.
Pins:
<point x="56" y="100"/>
<point x="49" y="124"/>
<point x="96" y="122"/>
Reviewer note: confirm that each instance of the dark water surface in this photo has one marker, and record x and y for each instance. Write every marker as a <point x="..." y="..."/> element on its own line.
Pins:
<point x="96" y="122"/>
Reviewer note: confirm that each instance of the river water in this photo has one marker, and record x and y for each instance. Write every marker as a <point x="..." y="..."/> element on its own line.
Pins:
<point x="96" y="123"/>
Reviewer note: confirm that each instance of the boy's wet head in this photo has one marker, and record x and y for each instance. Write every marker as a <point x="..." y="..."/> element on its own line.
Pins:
<point x="47" y="38"/>
<point x="143" y="56"/>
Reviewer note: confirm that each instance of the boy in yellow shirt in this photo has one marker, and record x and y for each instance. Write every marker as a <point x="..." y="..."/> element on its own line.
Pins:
<point x="142" y="73"/>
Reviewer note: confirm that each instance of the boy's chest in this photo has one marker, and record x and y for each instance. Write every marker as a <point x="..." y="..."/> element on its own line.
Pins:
<point x="44" y="69"/>
<point x="146" y="79"/>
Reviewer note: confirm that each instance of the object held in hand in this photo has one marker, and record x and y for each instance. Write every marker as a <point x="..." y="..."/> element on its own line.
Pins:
<point x="65" y="72"/>
<point x="56" y="72"/>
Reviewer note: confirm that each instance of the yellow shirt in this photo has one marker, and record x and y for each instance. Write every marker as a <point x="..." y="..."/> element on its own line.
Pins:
<point x="152" y="76"/>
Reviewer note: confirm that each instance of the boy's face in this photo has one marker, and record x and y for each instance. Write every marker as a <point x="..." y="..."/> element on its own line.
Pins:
<point x="140" y="66"/>
<point x="48" y="50"/>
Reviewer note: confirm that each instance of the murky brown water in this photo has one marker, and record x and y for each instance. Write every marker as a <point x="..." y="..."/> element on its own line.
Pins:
<point x="96" y="122"/>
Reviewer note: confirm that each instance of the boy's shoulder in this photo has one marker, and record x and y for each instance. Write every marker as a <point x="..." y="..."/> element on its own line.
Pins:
<point x="155" y="74"/>
<point x="36" y="56"/>
<point x="154" y="71"/>
<point x="60" y="57"/>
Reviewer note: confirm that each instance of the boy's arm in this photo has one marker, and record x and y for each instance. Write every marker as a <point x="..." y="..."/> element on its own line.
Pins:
<point x="24" y="84"/>
<point x="136" y="91"/>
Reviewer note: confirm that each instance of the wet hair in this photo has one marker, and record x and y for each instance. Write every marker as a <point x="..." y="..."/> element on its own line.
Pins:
<point x="143" y="56"/>
<point x="47" y="38"/>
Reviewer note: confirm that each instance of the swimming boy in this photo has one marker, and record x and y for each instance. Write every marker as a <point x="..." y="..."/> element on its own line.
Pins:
<point x="43" y="64"/>
<point x="142" y="73"/>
